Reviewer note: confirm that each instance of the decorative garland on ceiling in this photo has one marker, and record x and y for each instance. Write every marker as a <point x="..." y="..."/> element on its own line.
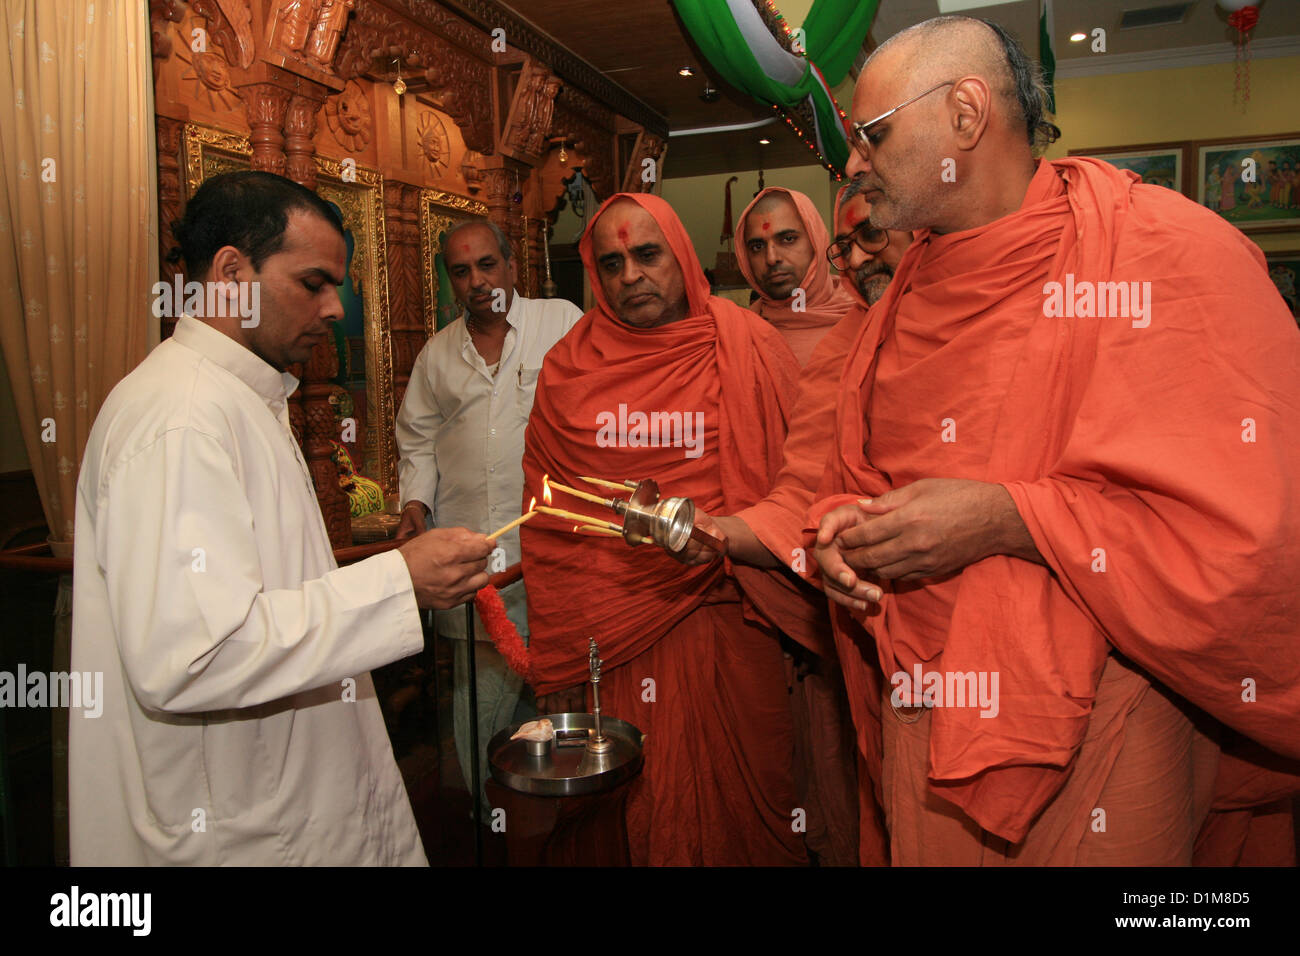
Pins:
<point x="749" y="44"/>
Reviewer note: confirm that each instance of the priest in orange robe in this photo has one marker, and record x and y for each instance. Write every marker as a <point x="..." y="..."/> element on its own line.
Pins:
<point x="1061" y="512"/>
<point x="783" y="258"/>
<point x="844" y="824"/>
<point x="662" y="380"/>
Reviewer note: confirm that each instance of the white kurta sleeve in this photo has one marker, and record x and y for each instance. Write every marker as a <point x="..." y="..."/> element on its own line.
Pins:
<point x="418" y="423"/>
<point x="196" y="628"/>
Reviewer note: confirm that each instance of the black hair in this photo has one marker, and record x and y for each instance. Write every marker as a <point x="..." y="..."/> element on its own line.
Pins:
<point x="1030" y="89"/>
<point x="248" y="210"/>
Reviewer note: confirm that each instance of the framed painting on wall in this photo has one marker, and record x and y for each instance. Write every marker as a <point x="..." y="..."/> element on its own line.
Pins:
<point x="1158" y="164"/>
<point x="1284" y="270"/>
<point x="1252" y="183"/>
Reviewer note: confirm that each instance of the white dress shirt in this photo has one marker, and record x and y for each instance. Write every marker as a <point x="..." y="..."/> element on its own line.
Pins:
<point x="460" y="433"/>
<point x="240" y="724"/>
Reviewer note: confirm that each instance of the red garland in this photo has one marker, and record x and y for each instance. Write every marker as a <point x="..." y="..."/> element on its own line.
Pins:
<point x="1244" y="19"/>
<point x="503" y="632"/>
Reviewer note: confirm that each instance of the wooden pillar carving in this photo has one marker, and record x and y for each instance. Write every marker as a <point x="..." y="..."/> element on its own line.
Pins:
<point x="536" y="264"/>
<point x="265" y="105"/>
<point x="500" y="191"/>
<point x="168" y="146"/>
<point x="406" y="293"/>
<point x="299" y="135"/>
<point x="320" y="427"/>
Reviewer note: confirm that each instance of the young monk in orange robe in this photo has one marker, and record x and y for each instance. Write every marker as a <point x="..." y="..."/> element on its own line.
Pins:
<point x="1094" y="503"/>
<point x="773" y="531"/>
<point x="688" y="659"/>
<point x="784" y="260"/>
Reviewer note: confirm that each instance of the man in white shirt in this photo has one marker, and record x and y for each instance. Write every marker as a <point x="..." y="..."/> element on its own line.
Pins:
<point x="240" y="724"/>
<point x="460" y="437"/>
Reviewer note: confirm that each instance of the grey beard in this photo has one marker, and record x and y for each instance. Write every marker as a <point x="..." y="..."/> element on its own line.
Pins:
<point x="872" y="282"/>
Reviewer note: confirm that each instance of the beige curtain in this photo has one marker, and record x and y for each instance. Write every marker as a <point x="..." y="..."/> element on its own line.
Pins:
<point x="78" y="249"/>
<point x="78" y="223"/>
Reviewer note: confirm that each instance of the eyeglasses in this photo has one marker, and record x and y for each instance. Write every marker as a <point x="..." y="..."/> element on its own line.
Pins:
<point x="862" y="143"/>
<point x="866" y="237"/>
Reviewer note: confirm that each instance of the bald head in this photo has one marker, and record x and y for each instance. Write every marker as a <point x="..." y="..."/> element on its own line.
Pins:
<point x="961" y="152"/>
<point x="947" y="47"/>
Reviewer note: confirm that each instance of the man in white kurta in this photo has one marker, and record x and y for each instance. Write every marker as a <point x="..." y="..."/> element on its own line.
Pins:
<point x="240" y="724"/>
<point x="193" y="449"/>
<point x="460" y="437"/>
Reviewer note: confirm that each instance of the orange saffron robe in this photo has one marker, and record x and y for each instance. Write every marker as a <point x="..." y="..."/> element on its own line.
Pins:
<point x="1152" y="452"/>
<point x="689" y="659"/>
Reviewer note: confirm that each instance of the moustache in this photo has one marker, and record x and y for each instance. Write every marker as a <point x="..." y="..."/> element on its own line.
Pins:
<point x="873" y="268"/>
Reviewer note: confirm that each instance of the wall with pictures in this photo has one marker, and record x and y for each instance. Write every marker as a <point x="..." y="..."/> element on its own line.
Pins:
<point x="699" y="199"/>
<point x="1179" y="105"/>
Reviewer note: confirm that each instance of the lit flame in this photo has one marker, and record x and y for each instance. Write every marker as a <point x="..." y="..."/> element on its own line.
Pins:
<point x="532" y="504"/>
<point x="577" y="528"/>
<point x="546" y="489"/>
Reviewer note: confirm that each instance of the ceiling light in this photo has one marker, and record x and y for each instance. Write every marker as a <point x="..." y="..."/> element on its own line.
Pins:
<point x="686" y="71"/>
<point x="1078" y="37"/>
<point x="710" y="94"/>
<point x="764" y="142"/>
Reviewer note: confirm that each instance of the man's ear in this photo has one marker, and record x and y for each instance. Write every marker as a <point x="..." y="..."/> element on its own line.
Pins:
<point x="226" y="264"/>
<point x="225" y="269"/>
<point x="514" y="272"/>
<point x="970" y="118"/>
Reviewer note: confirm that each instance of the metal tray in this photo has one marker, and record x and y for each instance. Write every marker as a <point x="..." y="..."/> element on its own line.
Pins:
<point x="567" y="771"/>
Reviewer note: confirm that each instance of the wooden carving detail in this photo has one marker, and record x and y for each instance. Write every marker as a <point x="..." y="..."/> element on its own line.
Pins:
<point x="349" y="118"/>
<point x="299" y="145"/>
<point x="471" y="167"/>
<point x="501" y="186"/>
<point x="327" y="29"/>
<point x="582" y="120"/>
<point x="291" y="25"/>
<point x="529" y="123"/>
<point x="523" y="36"/>
<point x="405" y="286"/>
<point x="160" y="13"/>
<point x="459" y="83"/>
<point x="266" y="105"/>
<point x="435" y="145"/>
<point x="536" y="266"/>
<point x="321" y="427"/>
<point x="168" y="146"/>
<point x="309" y="30"/>
<point x="640" y="178"/>
<point x="230" y="24"/>
<point x="436" y="17"/>
<point x="402" y="235"/>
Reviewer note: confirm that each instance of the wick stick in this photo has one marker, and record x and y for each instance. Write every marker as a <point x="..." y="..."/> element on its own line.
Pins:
<point x="597" y="529"/>
<point x="580" y="519"/>
<point x="585" y="496"/>
<point x="620" y="485"/>
<point x="514" y="524"/>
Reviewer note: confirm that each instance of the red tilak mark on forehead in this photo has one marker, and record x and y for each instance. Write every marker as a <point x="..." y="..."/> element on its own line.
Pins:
<point x="622" y="233"/>
<point x="464" y="248"/>
<point x="766" y="225"/>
